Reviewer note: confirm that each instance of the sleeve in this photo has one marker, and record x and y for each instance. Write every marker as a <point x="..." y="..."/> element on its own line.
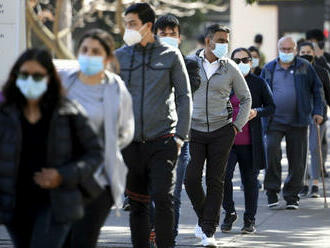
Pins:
<point x="126" y="118"/>
<point x="193" y="72"/>
<point x="318" y="103"/>
<point x="91" y="157"/>
<point x="268" y="105"/>
<point x="242" y="92"/>
<point x="180" y="80"/>
<point x="326" y="85"/>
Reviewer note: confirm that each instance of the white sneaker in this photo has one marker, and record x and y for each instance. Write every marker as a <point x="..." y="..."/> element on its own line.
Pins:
<point x="198" y="232"/>
<point x="208" y="241"/>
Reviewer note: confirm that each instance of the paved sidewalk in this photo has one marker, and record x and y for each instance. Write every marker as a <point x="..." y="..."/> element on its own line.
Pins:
<point x="307" y="227"/>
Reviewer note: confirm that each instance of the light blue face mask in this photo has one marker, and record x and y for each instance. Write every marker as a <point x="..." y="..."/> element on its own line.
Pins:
<point x="170" y="41"/>
<point x="286" y="57"/>
<point x="255" y="62"/>
<point x="220" y="50"/>
<point x="90" y="65"/>
<point x="244" y="68"/>
<point x="32" y="89"/>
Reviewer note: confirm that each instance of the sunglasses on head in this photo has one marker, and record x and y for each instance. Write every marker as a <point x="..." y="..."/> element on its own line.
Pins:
<point x="36" y="76"/>
<point x="244" y="60"/>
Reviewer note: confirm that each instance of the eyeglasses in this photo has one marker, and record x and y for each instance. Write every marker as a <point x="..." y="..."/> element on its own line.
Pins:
<point x="36" y="76"/>
<point x="244" y="60"/>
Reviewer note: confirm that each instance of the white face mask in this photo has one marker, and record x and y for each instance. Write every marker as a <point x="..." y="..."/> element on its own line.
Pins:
<point x="132" y="37"/>
<point x="255" y="62"/>
<point x="244" y="68"/>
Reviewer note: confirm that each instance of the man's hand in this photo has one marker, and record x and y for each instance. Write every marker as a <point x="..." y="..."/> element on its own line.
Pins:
<point x="48" y="178"/>
<point x="179" y="142"/>
<point x="318" y="119"/>
<point x="253" y="114"/>
<point x="235" y="129"/>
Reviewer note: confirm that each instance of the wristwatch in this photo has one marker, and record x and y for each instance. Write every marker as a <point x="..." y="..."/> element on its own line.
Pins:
<point x="178" y="140"/>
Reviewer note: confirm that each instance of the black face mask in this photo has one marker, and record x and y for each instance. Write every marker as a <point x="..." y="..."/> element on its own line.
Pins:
<point x="310" y="58"/>
<point x="321" y="44"/>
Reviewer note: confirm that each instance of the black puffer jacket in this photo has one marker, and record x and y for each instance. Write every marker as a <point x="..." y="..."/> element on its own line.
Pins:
<point x="67" y="124"/>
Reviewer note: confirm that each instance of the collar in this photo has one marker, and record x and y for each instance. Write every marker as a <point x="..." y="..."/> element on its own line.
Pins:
<point x="279" y="67"/>
<point x="202" y="55"/>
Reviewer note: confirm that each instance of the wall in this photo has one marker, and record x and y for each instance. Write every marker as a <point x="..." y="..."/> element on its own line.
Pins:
<point x="247" y="20"/>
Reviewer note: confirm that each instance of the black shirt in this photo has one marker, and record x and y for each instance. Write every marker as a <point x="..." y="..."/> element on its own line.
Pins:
<point x="33" y="158"/>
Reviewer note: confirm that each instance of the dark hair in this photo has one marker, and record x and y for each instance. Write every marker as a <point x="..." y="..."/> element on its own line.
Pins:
<point x="167" y="21"/>
<point x="144" y="11"/>
<point x="201" y="39"/>
<point x="254" y="49"/>
<point x="102" y="36"/>
<point x="241" y="49"/>
<point x="211" y="30"/>
<point x="258" y="38"/>
<point x="306" y="43"/>
<point x="54" y="93"/>
<point x="316" y="34"/>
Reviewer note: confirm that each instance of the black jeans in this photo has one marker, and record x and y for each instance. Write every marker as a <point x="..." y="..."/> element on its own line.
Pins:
<point x="36" y="228"/>
<point x="296" y="149"/>
<point x="249" y="176"/>
<point x="151" y="173"/>
<point x="214" y="147"/>
<point x="85" y="232"/>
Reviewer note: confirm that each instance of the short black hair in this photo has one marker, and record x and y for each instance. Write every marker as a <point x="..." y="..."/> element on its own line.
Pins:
<point x="211" y="30"/>
<point x="316" y="34"/>
<point x="167" y="21"/>
<point x="254" y="49"/>
<point x="201" y="39"/>
<point x="258" y="38"/>
<point x="144" y="11"/>
<point x="241" y="49"/>
<point x="306" y="43"/>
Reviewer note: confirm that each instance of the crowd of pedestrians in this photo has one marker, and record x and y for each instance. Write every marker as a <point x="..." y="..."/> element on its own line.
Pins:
<point x="143" y="120"/>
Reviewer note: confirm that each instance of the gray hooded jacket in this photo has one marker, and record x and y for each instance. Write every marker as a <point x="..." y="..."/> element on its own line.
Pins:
<point x="152" y="74"/>
<point x="212" y="107"/>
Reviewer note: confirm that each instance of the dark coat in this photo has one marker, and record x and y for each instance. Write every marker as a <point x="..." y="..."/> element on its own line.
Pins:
<point x="193" y="72"/>
<point x="262" y="101"/>
<point x="308" y="90"/>
<point x="67" y="122"/>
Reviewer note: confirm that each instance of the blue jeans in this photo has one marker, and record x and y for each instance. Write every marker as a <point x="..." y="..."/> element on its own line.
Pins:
<point x="249" y="175"/>
<point x="37" y="229"/>
<point x="183" y="161"/>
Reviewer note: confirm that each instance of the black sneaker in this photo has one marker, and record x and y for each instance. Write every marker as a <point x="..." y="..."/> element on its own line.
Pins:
<point x="249" y="227"/>
<point x="228" y="222"/>
<point x="126" y="205"/>
<point x="314" y="192"/>
<point x="272" y="200"/>
<point x="292" y="205"/>
<point x="304" y="192"/>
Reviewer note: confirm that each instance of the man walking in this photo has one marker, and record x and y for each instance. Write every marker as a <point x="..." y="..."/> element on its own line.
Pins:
<point x="152" y="72"/>
<point x="213" y="131"/>
<point x="297" y="96"/>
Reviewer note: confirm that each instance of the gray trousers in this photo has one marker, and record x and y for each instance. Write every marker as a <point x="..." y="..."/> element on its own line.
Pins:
<point x="296" y="150"/>
<point x="314" y="166"/>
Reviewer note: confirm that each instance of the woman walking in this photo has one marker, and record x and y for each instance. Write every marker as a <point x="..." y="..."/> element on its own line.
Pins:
<point x="39" y="173"/>
<point x="109" y="106"/>
<point x="248" y="149"/>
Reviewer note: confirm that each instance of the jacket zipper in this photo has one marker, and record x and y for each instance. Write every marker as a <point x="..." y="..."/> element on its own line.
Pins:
<point x="142" y="97"/>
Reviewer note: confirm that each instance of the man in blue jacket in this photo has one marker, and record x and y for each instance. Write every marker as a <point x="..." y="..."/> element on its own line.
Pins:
<point x="297" y="96"/>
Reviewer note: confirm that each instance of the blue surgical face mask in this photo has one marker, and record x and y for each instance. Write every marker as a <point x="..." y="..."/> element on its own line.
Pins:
<point x="90" y="65"/>
<point x="32" y="89"/>
<point x="170" y="41"/>
<point x="286" y="57"/>
<point x="244" y="68"/>
<point x="220" y="50"/>
<point x="255" y="62"/>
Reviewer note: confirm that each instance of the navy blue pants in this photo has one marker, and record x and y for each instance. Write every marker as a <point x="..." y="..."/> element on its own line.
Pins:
<point x="249" y="176"/>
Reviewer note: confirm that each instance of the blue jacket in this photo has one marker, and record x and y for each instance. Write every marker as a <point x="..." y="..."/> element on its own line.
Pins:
<point x="308" y="89"/>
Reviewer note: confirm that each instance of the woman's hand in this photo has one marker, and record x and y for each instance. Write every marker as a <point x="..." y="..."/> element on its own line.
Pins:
<point x="48" y="178"/>
<point x="253" y="114"/>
